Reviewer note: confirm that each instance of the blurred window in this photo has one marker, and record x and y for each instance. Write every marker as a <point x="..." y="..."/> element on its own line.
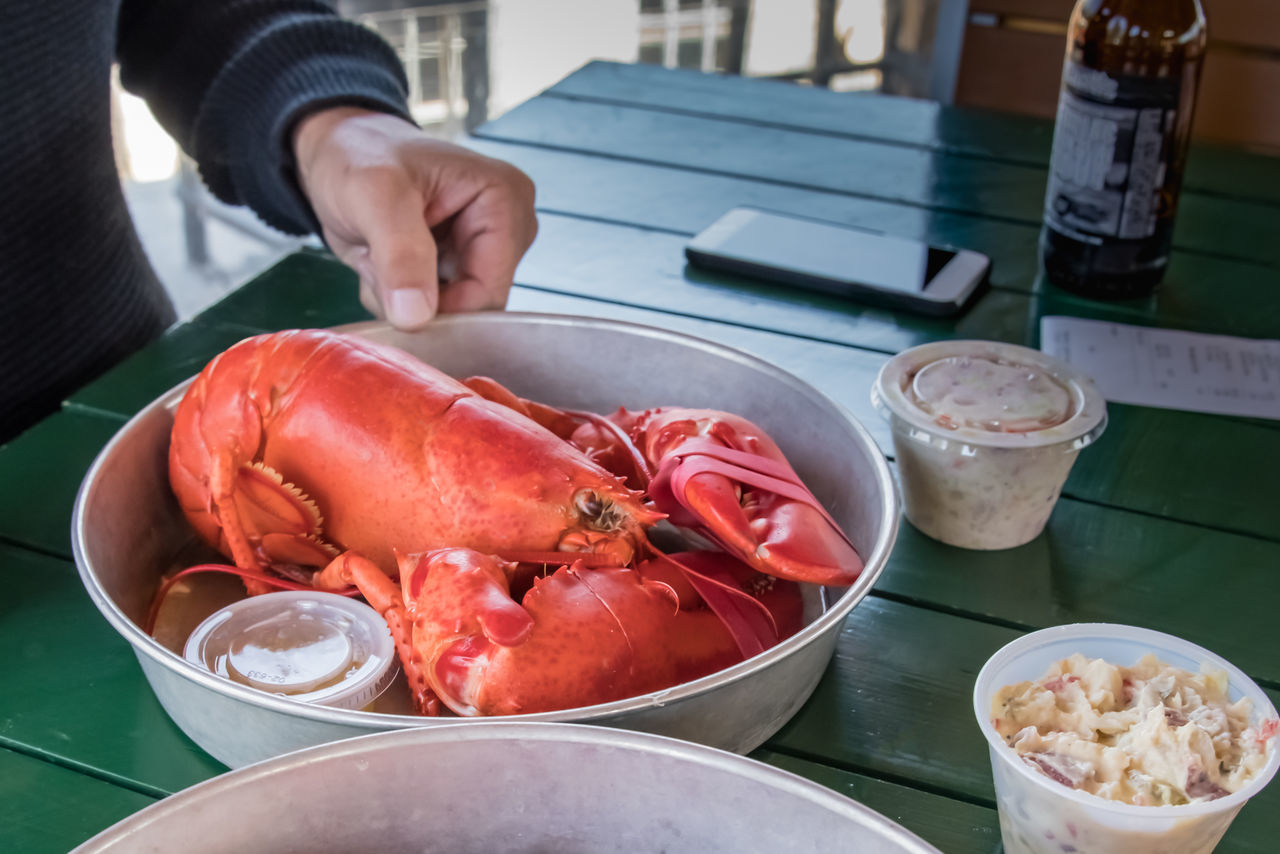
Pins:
<point x="439" y="46"/>
<point x="687" y="33"/>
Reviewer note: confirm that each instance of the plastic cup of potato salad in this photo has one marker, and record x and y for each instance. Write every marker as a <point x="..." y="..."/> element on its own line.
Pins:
<point x="985" y="434"/>
<point x="1043" y="815"/>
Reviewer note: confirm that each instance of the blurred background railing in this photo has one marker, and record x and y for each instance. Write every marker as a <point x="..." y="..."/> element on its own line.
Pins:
<point x="470" y="61"/>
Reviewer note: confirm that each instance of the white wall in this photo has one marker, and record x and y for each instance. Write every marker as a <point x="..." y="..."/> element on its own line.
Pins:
<point x="780" y="37"/>
<point x="534" y="43"/>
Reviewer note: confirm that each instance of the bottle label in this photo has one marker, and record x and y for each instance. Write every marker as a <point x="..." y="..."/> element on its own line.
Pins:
<point x="1111" y="146"/>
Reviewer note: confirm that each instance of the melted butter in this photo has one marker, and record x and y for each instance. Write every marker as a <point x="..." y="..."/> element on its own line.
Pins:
<point x="986" y="393"/>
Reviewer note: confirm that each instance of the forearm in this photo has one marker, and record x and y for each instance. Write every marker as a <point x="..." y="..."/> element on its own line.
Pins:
<point x="231" y="78"/>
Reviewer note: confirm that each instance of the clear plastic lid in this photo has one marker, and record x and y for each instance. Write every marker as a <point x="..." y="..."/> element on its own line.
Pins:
<point x="989" y="394"/>
<point x="316" y="647"/>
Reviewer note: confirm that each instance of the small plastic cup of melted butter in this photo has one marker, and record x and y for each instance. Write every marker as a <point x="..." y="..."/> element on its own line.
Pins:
<point x="1042" y="812"/>
<point x="315" y="647"/>
<point x="985" y="434"/>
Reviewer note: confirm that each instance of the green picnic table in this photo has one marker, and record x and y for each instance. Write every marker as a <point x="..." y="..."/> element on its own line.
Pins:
<point x="1169" y="522"/>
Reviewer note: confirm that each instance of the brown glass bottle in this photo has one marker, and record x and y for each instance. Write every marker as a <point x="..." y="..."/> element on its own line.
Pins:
<point x="1120" y="144"/>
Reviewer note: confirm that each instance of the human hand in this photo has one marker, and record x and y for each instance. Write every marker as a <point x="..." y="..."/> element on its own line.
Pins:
<point x="428" y="226"/>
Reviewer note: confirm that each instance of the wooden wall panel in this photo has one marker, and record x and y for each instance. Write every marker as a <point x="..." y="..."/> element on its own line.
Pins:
<point x="1018" y="70"/>
<point x="1010" y="70"/>
<point x="1054" y="10"/>
<point x="1254" y="23"/>
<point x="1238" y="100"/>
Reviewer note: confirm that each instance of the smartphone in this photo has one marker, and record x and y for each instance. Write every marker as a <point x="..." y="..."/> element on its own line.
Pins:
<point x="865" y="266"/>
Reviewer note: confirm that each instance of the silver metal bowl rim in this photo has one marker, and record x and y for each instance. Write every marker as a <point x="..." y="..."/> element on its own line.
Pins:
<point x="510" y="730"/>
<point x="873" y="563"/>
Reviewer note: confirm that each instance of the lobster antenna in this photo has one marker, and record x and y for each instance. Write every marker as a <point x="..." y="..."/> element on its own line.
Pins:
<point x="252" y="574"/>
<point x="739" y="611"/>
<point x="643" y="473"/>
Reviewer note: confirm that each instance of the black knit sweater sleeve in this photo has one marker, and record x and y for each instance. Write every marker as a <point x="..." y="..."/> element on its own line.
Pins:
<point x="229" y="79"/>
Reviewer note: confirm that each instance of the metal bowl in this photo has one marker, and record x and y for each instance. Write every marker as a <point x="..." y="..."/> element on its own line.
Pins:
<point x="501" y="786"/>
<point x="127" y="528"/>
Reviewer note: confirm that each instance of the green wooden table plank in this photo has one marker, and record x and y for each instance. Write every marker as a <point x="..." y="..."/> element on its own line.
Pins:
<point x="308" y="290"/>
<point x="1209" y="469"/>
<point x="1211" y="169"/>
<point x="73" y="690"/>
<point x="678" y="200"/>
<point x="1206" y="294"/>
<point x="953" y="826"/>
<point x="1099" y="564"/>
<point x="305" y="289"/>
<point x="647" y="269"/>
<point x="180" y="354"/>
<point x="40" y="473"/>
<point x="45" y="808"/>
<point x="1221" y="227"/>
<point x="896" y="704"/>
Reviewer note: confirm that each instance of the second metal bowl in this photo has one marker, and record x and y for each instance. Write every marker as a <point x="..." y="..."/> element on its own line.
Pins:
<point x="502" y="786"/>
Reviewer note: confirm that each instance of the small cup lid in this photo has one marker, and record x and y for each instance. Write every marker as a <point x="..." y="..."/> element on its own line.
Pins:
<point x="316" y="647"/>
<point x="988" y="393"/>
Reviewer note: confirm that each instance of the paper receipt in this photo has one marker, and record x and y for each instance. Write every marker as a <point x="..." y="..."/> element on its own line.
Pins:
<point x="1169" y="368"/>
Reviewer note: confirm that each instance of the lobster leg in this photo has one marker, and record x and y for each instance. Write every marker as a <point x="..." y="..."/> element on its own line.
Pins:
<point x="557" y="421"/>
<point x="603" y="440"/>
<point x="263" y="522"/>
<point x="779" y="597"/>
<point x="383" y="596"/>
<point x="242" y="507"/>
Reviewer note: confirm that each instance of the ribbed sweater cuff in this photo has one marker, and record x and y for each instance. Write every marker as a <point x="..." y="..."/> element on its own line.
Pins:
<point x="243" y="134"/>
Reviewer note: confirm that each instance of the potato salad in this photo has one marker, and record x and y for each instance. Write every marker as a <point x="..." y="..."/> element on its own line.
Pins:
<point x="1150" y="734"/>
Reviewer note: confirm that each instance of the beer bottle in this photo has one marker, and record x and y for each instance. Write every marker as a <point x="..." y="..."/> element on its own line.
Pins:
<point x="1120" y="143"/>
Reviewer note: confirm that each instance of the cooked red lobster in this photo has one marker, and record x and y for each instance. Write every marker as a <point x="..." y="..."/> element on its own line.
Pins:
<point x="311" y="450"/>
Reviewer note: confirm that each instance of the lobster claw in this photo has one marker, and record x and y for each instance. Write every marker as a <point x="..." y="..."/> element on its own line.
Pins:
<point x="721" y="476"/>
<point x="578" y="637"/>
<point x="716" y="473"/>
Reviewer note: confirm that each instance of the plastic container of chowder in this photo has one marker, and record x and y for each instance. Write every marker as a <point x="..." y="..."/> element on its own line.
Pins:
<point x="315" y="647"/>
<point x="985" y="434"/>
<point x="1044" y="800"/>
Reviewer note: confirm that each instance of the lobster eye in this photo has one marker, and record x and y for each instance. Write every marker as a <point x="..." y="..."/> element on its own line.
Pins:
<point x="588" y="504"/>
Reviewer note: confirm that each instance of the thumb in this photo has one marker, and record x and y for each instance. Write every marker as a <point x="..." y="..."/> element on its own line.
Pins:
<point x="402" y="260"/>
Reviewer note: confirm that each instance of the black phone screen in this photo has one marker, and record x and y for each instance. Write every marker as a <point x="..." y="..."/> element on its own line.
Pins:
<point x="833" y="252"/>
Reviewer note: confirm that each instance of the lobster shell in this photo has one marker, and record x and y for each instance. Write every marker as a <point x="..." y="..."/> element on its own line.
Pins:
<point x="290" y="444"/>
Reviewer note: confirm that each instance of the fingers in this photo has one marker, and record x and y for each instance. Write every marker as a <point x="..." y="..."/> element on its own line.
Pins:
<point x="369" y="299"/>
<point x="468" y="294"/>
<point x="383" y="192"/>
<point x="400" y="271"/>
<point x="488" y="240"/>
